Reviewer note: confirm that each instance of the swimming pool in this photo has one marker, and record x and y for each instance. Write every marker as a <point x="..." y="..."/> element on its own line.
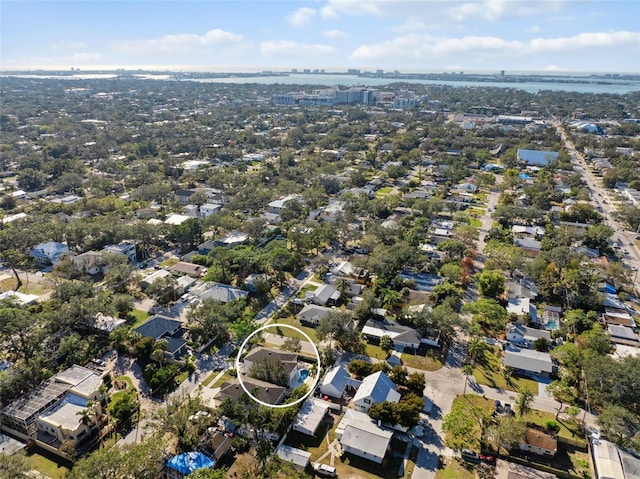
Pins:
<point x="552" y="325"/>
<point x="304" y="374"/>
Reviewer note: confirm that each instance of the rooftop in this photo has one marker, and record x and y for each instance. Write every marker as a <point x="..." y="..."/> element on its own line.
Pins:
<point x="294" y="455"/>
<point x="65" y="416"/>
<point x="266" y="392"/>
<point x="310" y="416"/>
<point x="378" y="387"/>
<point x="366" y="436"/>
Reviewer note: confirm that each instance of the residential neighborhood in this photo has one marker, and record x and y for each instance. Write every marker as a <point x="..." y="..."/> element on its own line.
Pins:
<point x="446" y="289"/>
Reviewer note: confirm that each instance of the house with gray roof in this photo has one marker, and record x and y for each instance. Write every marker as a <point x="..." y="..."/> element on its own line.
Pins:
<point x="162" y="327"/>
<point x="527" y="362"/>
<point x="218" y="291"/>
<point x="262" y="390"/>
<point x="312" y="314"/>
<point x="325" y="294"/>
<point x="402" y="336"/>
<point x="523" y="336"/>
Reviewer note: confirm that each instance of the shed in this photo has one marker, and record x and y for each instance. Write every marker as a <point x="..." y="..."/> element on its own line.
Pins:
<point x="299" y="458"/>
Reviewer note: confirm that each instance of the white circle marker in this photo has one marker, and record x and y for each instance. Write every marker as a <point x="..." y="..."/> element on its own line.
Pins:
<point x="244" y="345"/>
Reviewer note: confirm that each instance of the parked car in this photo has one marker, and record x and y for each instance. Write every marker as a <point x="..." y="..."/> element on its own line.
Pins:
<point x="325" y="470"/>
<point x="488" y="458"/>
<point x="470" y="456"/>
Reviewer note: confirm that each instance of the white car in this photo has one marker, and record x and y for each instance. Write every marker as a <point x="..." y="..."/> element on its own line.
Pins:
<point x="325" y="470"/>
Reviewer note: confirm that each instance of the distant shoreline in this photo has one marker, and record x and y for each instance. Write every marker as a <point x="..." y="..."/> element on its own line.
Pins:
<point x="530" y="82"/>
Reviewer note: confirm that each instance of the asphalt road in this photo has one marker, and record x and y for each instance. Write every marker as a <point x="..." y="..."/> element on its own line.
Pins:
<point x="601" y="199"/>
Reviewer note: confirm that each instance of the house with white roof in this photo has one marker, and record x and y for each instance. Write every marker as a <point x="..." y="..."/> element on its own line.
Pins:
<point x="522" y="306"/>
<point x="311" y="414"/>
<point x="362" y="437"/>
<point x="49" y="253"/>
<point x="336" y="381"/>
<point x="125" y="248"/>
<point x="325" y="294"/>
<point x="375" y="389"/>
<point x="276" y="206"/>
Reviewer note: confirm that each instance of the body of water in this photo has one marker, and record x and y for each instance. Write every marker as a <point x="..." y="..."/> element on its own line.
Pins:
<point x="578" y="85"/>
<point x="618" y="87"/>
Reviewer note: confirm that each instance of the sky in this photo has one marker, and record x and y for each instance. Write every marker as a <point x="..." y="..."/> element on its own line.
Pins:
<point x="239" y="35"/>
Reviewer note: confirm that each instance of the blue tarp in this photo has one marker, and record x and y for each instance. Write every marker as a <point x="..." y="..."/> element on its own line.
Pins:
<point x="524" y="176"/>
<point x="188" y="462"/>
<point x="609" y="289"/>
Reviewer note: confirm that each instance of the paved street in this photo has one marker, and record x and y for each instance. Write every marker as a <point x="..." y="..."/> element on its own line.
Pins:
<point x="601" y="198"/>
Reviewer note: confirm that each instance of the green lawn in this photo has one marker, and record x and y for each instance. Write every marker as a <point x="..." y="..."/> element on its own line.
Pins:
<point x="456" y="469"/>
<point x="382" y="192"/>
<point x="169" y="262"/>
<point x="47" y="466"/>
<point x="469" y="411"/>
<point x="181" y="377"/>
<point x="418" y="361"/>
<point x="489" y="372"/>
<point x="317" y="445"/>
<point x="290" y="333"/>
<point x="139" y="317"/>
<point x="475" y="222"/>
<point x="224" y="378"/>
<point x="115" y="397"/>
<point x="375" y="351"/>
<point x="308" y="287"/>
<point x="567" y="428"/>
<point x="27" y="288"/>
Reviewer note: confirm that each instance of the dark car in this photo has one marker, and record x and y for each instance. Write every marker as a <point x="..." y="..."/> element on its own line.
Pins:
<point x="470" y="456"/>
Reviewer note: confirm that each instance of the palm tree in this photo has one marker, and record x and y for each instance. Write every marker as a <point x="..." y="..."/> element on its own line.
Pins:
<point x="88" y="414"/>
<point x="342" y="285"/>
<point x="467" y="370"/>
<point x="524" y="402"/>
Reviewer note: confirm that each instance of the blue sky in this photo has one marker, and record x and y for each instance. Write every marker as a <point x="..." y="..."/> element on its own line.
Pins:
<point x="415" y="35"/>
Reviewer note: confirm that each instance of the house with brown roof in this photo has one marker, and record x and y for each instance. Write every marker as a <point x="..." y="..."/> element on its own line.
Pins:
<point x="539" y="442"/>
<point x="182" y="268"/>
<point x="289" y="361"/>
<point x="264" y="391"/>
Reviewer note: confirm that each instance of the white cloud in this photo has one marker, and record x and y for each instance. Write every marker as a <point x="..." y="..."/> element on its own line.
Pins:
<point x="586" y="41"/>
<point x="436" y="11"/>
<point x="334" y="34"/>
<point x="179" y="43"/>
<point x="553" y="68"/>
<point x="68" y="45"/>
<point x="534" y="29"/>
<point x="302" y="17"/>
<point x="328" y="11"/>
<point x="474" y="50"/>
<point x="285" y="48"/>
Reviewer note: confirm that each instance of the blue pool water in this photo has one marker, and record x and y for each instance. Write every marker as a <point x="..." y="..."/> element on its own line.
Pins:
<point x="552" y="325"/>
<point x="304" y="374"/>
